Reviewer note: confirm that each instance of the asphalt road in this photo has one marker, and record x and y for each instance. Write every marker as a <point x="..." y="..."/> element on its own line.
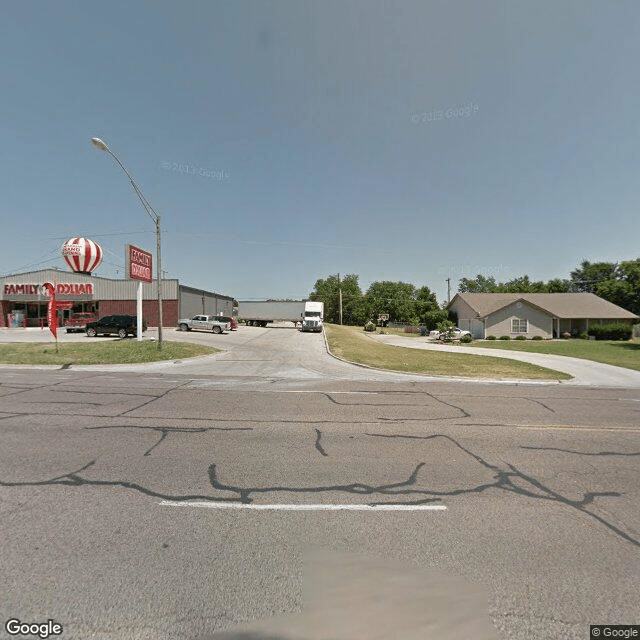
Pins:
<point x="178" y="500"/>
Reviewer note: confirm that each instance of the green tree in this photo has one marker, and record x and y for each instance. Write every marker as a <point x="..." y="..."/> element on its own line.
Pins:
<point x="428" y="310"/>
<point x="629" y="272"/>
<point x="431" y="319"/>
<point x="558" y="286"/>
<point x="521" y="284"/>
<point x="479" y="284"/>
<point x="328" y="291"/>
<point x="624" y="288"/>
<point x="397" y="299"/>
<point x="588" y="276"/>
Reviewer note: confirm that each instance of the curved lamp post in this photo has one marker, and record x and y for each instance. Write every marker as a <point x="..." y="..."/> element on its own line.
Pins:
<point x="151" y="212"/>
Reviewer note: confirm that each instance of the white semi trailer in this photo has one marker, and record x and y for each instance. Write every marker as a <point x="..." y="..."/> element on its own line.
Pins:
<point x="259" y="314"/>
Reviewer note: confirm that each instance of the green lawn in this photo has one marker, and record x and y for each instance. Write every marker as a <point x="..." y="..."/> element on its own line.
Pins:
<point x="397" y="332"/>
<point x="353" y="344"/>
<point x="620" y="354"/>
<point x="107" y="352"/>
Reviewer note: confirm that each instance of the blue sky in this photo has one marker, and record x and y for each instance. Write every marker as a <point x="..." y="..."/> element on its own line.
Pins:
<point x="284" y="141"/>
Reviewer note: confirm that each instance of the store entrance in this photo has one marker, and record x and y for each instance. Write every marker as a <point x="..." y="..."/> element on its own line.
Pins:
<point x="34" y="314"/>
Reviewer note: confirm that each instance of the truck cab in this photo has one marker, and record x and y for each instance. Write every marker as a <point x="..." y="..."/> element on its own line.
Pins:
<point x="313" y="316"/>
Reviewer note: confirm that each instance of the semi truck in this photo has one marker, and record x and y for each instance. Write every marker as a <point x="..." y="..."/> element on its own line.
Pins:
<point x="259" y="314"/>
<point x="313" y="316"/>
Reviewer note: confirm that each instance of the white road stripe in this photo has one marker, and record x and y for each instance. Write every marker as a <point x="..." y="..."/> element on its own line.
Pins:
<point x="305" y="507"/>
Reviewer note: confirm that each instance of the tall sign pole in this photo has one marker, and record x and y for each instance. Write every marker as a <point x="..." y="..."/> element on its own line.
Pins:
<point x="140" y="267"/>
<point x="159" y="277"/>
<point x="340" y="291"/>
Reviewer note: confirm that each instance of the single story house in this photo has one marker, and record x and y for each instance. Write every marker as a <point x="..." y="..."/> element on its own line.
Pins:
<point x="548" y="315"/>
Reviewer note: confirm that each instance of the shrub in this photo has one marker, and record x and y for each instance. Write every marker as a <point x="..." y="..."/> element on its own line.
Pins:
<point x="583" y="335"/>
<point x="504" y="338"/>
<point x="491" y="338"/>
<point x="537" y="338"/>
<point x="424" y="330"/>
<point x="431" y="319"/>
<point x="370" y="326"/>
<point x="446" y="330"/>
<point x="611" y="331"/>
<point x="520" y="338"/>
<point x="466" y="339"/>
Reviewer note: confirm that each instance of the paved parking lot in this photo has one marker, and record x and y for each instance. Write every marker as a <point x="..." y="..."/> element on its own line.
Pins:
<point x="282" y="351"/>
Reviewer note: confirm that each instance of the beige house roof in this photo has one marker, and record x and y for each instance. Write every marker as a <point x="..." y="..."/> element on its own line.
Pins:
<point x="558" y="305"/>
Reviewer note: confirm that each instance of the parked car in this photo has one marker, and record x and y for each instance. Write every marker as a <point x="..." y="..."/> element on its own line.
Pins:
<point x="78" y="321"/>
<point x="233" y="323"/>
<point x="455" y="335"/>
<point x="123" y="325"/>
<point x="204" y="323"/>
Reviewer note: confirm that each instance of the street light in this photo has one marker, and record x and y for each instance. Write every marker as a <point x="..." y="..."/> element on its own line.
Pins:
<point x="151" y="212"/>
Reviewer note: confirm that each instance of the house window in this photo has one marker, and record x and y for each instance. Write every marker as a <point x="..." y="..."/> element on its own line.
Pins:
<point x="519" y="326"/>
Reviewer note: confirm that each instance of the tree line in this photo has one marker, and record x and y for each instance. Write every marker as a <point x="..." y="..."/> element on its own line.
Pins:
<point x="403" y="302"/>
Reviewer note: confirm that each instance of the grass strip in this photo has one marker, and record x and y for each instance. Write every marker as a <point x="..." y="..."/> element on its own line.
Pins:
<point x="351" y="343"/>
<point x="618" y="353"/>
<point x="107" y="352"/>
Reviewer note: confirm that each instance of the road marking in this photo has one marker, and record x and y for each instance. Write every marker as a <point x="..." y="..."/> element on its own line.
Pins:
<point x="306" y="507"/>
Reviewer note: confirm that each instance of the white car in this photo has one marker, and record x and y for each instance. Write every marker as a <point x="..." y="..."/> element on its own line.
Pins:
<point x="455" y="335"/>
<point x="217" y="324"/>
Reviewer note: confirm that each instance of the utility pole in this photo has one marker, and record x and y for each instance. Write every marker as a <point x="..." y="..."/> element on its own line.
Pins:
<point x="340" y="292"/>
<point x="448" y="290"/>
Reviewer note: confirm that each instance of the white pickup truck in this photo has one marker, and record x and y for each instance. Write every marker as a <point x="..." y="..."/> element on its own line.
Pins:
<point x="204" y="323"/>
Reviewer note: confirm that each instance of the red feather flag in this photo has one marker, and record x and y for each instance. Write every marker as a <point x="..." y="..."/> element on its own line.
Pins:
<point x="52" y="308"/>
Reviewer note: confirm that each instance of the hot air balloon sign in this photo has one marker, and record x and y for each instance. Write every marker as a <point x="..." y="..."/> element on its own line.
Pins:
<point x="82" y="255"/>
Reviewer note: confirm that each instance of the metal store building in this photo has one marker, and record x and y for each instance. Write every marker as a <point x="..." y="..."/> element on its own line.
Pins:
<point x="24" y="302"/>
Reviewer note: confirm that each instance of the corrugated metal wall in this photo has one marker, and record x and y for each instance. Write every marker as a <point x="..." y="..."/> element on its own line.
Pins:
<point x="193" y="302"/>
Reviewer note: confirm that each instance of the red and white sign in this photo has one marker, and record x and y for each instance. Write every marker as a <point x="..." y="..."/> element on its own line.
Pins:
<point x="81" y="254"/>
<point x="139" y="264"/>
<point x="62" y="288"/>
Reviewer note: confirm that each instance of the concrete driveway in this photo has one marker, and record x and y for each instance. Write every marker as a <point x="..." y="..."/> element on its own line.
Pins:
<point x="584" y="372"/>
<point x="281" y="352"/>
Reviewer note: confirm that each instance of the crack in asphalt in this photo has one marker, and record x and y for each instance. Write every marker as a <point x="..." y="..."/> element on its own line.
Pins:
<point x="542" y="404"/>
<point x="504" y="478"/>
<point x="463" y="412"/>
<point x="582" y="453"/>
<point x="318" y="445"/>
<point x="165" y="431"/>
<point x="504" y="481"/>
<point x="74" y="480"/>
<point x="154" y="398"/>
<point x="244" y="493"/>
